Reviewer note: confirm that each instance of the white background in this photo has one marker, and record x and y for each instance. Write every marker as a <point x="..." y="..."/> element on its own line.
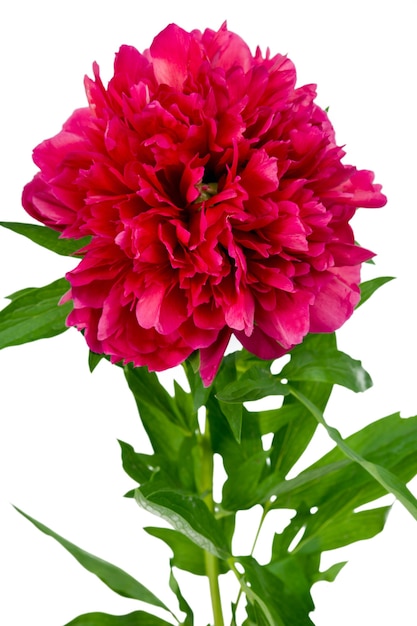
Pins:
<point x="59" y="455"/>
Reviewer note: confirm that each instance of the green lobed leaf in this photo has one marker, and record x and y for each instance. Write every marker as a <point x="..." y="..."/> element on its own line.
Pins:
<point x="240" y="370"/>
<point x="244" y="462"/>
<point x="115" y="578"/>
<point x="326" y="497"/>
<point x="256" y="383"/>
<point x="185" y="406"/>
<point x="292" y="439"/>
<point x="337" y="481"/>
<point x="137" y="618"/>
<point x="183" y="604"/>
<point x="369" y="287"/>
<point x="163" y="422"/>
<point x="297" y="427"/>
<point x="233" y="414"/>
<point x="138" y="466"/>
<point x="293" y="427"/>
<point x="34" y="314"/>
<point x="240" y="488"/>
<point x="294" y="573"/>
<point x="390" y="482"/>
<point x="330" y="574"/>
<point x="327" y="366"/>
<point x="340" y="530"/>
<point x="186" y="554"/>
<point x="186" y="513"/>
<point x="199" y="393"/>
<point x="272" y="602"/>
<point x="48" y="238"/>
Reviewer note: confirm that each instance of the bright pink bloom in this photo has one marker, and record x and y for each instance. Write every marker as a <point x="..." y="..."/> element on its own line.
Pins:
<point x="217" y="203"/>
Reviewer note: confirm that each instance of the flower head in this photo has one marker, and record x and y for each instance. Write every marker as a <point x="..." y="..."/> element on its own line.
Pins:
<point x="216" y="200"/>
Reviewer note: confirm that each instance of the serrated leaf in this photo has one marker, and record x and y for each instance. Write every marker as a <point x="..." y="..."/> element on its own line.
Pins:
<point x="34" y="314"/>
<point x="186" y="513"/>
<point x="137" y="618"/>
<point x="369" y="287"/>
<point x="48" y="238"/>
<point x="115" y="578"/>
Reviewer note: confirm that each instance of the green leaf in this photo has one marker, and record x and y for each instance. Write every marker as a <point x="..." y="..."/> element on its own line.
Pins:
<point x="294" y="573"/>
<point x="337" y="482"/>
<point x="340" y="530"/>
<point x="326" y="366"/>
<point x="327" y="495"/>
<point x="278" y="604"/>
<point x="186" y="513"/>
<point x="183" y="604"/>
<point x="171" y="424"/>
<point x="331" y="573"/>
<point x="137" y="618"/>
<point x="111" y="575"/>
<point x="255" y="384"/>
<point x="138" y="466"/>
<point x="48" y="238"/>
<point x="370" y="286"/>
<point x="233" y="414"/>
<point x="93" y="360"/>
<point x="390" y="482"/>
<point x="297" y="426"/>
<point x="292" y="424"/>
<point x="187" y="555"/>
<point x="198" y="391"/>
<point x="34" y="314"/>
<point x="240" y="489"/>
<point x="185" y="406"/>
<point x="163" y="422"/>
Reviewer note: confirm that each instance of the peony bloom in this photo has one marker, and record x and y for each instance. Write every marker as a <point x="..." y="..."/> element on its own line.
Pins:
<point x="217" y="203"/>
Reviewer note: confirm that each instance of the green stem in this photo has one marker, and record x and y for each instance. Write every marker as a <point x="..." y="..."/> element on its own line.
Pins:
<point x="212" y="570"/>
<point x="206" y="489"/>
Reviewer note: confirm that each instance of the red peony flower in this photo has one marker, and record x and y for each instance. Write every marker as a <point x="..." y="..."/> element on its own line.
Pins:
<point x="217" y="203"/>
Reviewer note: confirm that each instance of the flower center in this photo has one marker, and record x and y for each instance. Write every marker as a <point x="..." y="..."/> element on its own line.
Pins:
<point x="206" y="191"/>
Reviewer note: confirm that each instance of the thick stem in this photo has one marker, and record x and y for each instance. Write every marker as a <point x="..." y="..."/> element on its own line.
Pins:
<point x="212" y="571"/>
<point x="206" y="489"/>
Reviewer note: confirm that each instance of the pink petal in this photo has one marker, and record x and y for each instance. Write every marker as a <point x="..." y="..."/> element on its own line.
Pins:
<point x="175" y="54"/>
<point x="211" y="357"/>
<point x="336" y="301"/>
